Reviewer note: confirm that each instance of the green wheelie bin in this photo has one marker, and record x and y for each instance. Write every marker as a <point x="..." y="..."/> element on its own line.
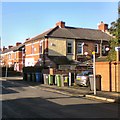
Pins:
<point x="58" y="77"/>
<point x="50" y="79"/>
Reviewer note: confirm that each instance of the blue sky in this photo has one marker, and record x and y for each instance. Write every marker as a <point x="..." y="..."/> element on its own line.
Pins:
<point x="21" y="20"/>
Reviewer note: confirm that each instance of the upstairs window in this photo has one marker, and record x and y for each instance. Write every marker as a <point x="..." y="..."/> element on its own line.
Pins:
<point x="80" y="48"/>
<point x="9" y="56"/>
<point x="69" y="47"/>
<point x="41" y="47"/>
<point x="96" y="48"/>
<point x="32" y="49"/>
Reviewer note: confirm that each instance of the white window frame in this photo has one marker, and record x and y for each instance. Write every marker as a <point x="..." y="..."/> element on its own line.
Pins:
<point x="70" y="42"/>
<point x="41" y="47"/>
<point x="79" y="47"/>
<point x="9" y="56"/>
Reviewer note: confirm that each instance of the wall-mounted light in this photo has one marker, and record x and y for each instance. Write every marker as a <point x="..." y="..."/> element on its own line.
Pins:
<point x="107" y="48"/>
<point x="86" y="53"/>
<point x="52" y="44"/>
<point x="83" y="43"/>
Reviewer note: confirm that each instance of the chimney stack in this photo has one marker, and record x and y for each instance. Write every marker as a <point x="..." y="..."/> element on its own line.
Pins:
<point x="61" y="24"/>
<point x="4" y="48"/>
<point x="18" y="43"/>
<point x="103" y="27"/>
<point x="10" y="46"/>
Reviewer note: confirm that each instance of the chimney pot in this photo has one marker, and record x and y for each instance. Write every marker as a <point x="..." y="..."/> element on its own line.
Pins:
<point x="27" y="39"/>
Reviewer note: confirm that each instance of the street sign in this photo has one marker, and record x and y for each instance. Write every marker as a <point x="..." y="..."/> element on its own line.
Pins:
<point x="93" y="52"/>
<point x="117" y="48"/>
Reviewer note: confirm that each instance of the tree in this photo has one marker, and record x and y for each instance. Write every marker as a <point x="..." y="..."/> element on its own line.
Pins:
<point x="115" y="31"/>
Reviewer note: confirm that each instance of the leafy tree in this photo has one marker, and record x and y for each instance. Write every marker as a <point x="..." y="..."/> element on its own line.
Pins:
<point x="115" y="31"/>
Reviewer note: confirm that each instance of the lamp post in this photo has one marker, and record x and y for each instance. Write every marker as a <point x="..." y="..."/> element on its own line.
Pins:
<point x="94" y="72"/>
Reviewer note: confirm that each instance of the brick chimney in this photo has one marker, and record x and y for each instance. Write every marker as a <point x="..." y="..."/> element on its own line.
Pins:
<point x="10" y="46"/>
<point x="61" y="24"/>
<point x="4" y="48"/>
<point x="102" y="26"/>
<point x="18" y="43"/>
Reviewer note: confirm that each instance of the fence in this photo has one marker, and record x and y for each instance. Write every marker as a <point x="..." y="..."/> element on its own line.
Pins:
<point x="110" y="73"/>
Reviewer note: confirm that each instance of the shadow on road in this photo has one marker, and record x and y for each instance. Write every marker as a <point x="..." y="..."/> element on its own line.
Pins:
<point x="8" y="91"/>
<point x="46" y="108"/>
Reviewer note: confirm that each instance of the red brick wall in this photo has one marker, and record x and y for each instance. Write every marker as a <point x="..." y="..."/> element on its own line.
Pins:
<point x="36" y="53"/>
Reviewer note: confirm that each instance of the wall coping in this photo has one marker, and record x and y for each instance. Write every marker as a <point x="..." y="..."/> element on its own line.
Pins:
<point x="118" y="62"/>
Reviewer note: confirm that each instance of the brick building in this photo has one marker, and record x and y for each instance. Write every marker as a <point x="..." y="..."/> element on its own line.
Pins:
<point x="63" y="44"/>
<point x="13" y="56"/>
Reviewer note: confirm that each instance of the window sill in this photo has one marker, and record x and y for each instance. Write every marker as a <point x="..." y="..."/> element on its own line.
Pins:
<point x="69" y="53"/>
<point x="79" y="54"/>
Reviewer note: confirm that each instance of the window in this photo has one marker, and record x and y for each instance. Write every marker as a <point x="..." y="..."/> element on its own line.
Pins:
<point x="32" y="49"/>
<point x="80" y="48"/>
<point x="69" y="47"/>
<point x="96" y="48"/>
<point x="9" y="56"/>
<point x="40" y="47"/>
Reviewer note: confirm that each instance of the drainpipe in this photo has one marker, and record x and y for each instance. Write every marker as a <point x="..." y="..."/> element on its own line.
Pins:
<point x="101" y="48"/>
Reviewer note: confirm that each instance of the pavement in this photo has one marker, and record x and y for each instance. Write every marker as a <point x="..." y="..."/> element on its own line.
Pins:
<point x="74" y="91"/>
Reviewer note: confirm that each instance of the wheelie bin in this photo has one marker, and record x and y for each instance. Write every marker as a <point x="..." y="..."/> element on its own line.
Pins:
<point x="50" y="79"/>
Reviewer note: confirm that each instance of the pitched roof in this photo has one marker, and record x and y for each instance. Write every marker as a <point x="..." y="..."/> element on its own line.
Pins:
<point x="74" y="33"/>
<point x="19" y="47"/>
<point x="80" y="33"/>
<point x="42" y="35"/>
<point x="14" y="48"/>
<point x="60" y="60"/>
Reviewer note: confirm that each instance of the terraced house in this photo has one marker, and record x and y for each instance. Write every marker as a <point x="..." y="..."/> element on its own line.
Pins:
<point x="63" y="44"/>
<point x="13" y="56"/>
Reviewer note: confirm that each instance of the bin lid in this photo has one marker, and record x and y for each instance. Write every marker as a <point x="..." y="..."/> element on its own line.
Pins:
<point x="91" y="75"/>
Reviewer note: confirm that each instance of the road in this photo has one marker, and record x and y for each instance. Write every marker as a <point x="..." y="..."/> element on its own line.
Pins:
<point x="21" y="100"/>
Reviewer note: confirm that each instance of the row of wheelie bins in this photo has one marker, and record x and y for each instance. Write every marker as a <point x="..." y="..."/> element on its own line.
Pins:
<point x="59" y="80"/>
<point x="35" y="77"/>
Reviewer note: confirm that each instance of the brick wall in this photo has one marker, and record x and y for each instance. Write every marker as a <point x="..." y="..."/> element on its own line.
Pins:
<point x="110" y="73"/>
<point x="56" y="47"/>
<point x="33" y="50"/>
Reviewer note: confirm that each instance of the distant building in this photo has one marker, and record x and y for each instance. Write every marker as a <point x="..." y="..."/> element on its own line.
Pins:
<point x="13" y="56"/>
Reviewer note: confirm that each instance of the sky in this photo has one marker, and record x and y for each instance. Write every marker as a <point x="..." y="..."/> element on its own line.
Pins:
<point x="22" y="20"/>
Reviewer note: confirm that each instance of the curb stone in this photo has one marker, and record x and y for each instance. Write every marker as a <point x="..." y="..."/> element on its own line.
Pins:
<point x="101" y="98"/>
<point x="87" y="96"/>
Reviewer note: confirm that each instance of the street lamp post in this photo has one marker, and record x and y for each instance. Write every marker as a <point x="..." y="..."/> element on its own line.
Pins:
<point x="94" y="72"/>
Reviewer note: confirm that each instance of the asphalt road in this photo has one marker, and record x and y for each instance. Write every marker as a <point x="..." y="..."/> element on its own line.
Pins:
<point x="21" y="100"/>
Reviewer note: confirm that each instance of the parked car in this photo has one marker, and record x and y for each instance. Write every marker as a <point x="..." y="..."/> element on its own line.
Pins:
<point x="83" y="78"/>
